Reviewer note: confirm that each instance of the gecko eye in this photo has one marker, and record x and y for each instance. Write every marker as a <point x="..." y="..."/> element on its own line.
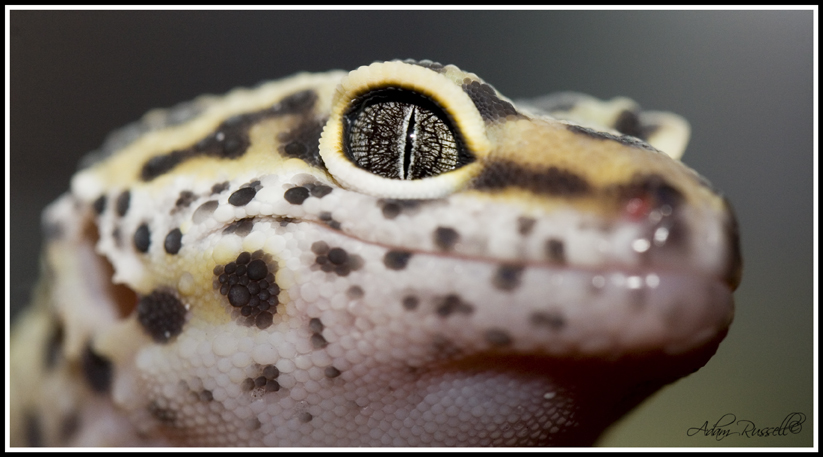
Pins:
<point x="400" y="134"/>
<point x="399" y="130"/>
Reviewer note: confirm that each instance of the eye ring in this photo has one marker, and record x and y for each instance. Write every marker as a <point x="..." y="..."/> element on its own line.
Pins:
<point x="421" y="95"/>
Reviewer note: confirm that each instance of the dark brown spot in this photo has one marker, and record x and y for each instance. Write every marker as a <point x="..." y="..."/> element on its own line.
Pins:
<point x="271" y="372"/>
<point x="507" y="277"/>
<point x="396" y="260"/>
<point x="315" y="325"/>
<point x="498" y="337"/>
<point x="410" y="302"/>
<point x="34" y="430"/>
<point x="204" y="211"/>
<point x="502" y="174"/>
<point x="355" y="292"/>
<point x="240" y="227"/>
<point x="142" y="238"/>
<point x="331" y="372"/>
<point x="54" y="347"/>
<point x="319" y="247"/>
<point x="219" y="187"/>
<point x="173" y="241"/>
<point x="525" y="225"/>
<point x="242" y="197"/>
<point x="555" y="251"/>
<point x="452" y="304"/>
<point x="296" y="195"/>
<point x="550" y="319"/>
<point x="303" y="142"/>
<point x="491" y="107"/>
<point x="445" y="238"/>
<point x="99" y="205"/>
<point x="97" y="370"/>
<point x="185" y="199"/>
<point x="318" y="342"/>
<point x="122" y="204"/>
<point x="162" y="315"/>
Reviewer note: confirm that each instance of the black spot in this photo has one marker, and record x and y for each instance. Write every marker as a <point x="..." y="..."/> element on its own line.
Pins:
<point x="54" y="346"/>
<point x="549" y="319"/>
<point x="239" y="295"/>
<point x="162" y="164"/>
<point x="97" y="370"/>
<point x="241" y="227"/>
<point x="315" y="325"/>
<point x="271" y="372"/>
<point x="491" y="107"/>
<point x="142" y="238"/>
<point x="396" y="260"/>
<point x="507" y="277"/>
<point x="627" y="140"/>
<point x="410" y="302"/>
<point x="263" y="320"/>
<point x="69" y="426"/>
<point x="257" y="270"/>
<point x="162" y="315"/>
<point x="247" y="384"/>
<point x="498" y="337"/>
<point x="99" y="205"/>
<point x="318" y="342"/>
<point x="303" y="142"/>
<point x="296" y="195"/>
<point x="172" y="244"/>
<point x="206" y="396"/>
<point x="337" y="256"/>
<point x="248" y="284"/>
<point x="451" y="304"/>
<point x="185" y="199"/>
<point x="325" y="216"/>
<point x="122" y="204"/>
<point x="272" y="386"/>
<point x="331" y="372"/>
<point x="242" y="196"/>
<point x="391" y="208"/>
<point x="204" y="211"/>
<point x="628" y="123"/>
<point x="219" y="187"/>
<point x="445" y="238"/>
<point x="502" y="174"/>
<point x="296" y="103"/>
<point x="304" y="417"/>
<point x="319" y="190"/>
<point x="319" y="247"/>
<point x="164" y="415"/>
<point x="355" y="292"/>
<point x="555" y="251"/>
<point x="525" y="225"/>
<point x="243" y="258"/>
<point x="34" y="430"/>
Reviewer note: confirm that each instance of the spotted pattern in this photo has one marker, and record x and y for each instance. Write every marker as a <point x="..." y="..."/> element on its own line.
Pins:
<point x="221" y="274"/>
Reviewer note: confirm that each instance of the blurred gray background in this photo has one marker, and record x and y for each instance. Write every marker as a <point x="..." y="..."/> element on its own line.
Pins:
<point x="743" y="80"/>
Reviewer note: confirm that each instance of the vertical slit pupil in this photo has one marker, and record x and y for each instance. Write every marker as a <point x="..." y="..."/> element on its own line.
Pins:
<point x="407" y="153"/>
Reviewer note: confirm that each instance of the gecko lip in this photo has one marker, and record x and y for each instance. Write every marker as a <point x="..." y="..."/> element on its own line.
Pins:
<point x="571" y="311"/>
